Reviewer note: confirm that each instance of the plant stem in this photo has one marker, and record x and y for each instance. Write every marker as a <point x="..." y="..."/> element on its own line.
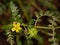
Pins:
<point x="35" y="5"/>
<point x="22" y="7"/>
<point x="36" y="21"/>
<point x="42" y="27"/>
<point x="17" y="40"/>
<point x="58" y="27"/>
<point x="53" y="29"/>
<point x="11" y="43"/>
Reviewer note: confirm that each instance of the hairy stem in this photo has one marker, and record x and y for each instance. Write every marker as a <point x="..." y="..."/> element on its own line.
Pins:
<point x="53" y="37"/>
<point x="36" y="21"/>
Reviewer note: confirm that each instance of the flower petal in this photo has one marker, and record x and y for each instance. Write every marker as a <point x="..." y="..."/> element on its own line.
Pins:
<point x="17" y="31"/>
<point x="13" y="29"/>
<point x="19" y="28"/>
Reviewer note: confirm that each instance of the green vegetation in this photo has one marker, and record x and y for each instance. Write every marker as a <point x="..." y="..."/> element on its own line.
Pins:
<point x="27" y="22"/>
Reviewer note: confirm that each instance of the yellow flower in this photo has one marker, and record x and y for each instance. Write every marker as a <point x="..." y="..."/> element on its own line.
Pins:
<point x="16" y="27"/>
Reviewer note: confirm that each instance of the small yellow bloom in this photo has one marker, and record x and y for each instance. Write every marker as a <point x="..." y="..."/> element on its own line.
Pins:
<point x="16" y="27"/>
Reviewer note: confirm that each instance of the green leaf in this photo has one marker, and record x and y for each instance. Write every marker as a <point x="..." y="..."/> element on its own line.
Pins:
<point x="14" y="9"/>
<point x="6" y="26"/>
<point x="31" y="21"/>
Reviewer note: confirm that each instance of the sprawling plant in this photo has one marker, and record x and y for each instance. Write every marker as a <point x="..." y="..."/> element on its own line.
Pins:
<point x="29" y="30"/>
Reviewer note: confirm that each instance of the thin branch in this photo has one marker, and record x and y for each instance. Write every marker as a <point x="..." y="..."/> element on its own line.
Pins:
<point x="53" y="37"/>
<point x="58" y="27"/>
<point x="22" y="7"/>
<point x="43" y="27"/>
<point x="49" y="34"/>
<point x="46" y="33"/>
<point x="36" y="21"/>
<point x="35" y="5"/>
<point x="38" y="8"/>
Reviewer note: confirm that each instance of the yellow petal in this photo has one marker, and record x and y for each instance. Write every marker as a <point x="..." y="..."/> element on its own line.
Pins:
<point x="17" y="31"/>
<point x="19" y="28"/>
<point x="13" y="29"/>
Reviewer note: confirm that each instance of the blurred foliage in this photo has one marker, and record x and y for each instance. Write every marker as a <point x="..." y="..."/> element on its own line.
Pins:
<point x="36" y="23"/>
